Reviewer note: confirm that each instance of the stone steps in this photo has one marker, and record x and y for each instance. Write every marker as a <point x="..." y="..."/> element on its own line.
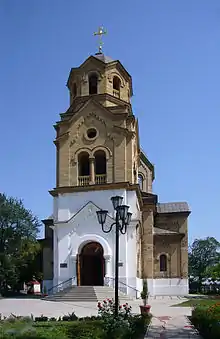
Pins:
<point x="104" y="292"/>
<point x="86" y="294"/>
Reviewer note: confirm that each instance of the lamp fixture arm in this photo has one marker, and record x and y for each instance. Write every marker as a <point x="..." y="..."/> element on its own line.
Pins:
<point x="110" y="228"/>
<point x="123" y="228"/>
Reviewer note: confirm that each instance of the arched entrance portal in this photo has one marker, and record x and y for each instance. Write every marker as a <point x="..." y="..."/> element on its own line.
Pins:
<point x="92" y="265"/>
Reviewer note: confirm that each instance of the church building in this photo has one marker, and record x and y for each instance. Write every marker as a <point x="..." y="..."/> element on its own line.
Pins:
<point x="99" y="156"/>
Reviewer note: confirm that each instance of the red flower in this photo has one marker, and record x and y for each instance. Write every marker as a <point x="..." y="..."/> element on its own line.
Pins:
<point x="120" y="306"/>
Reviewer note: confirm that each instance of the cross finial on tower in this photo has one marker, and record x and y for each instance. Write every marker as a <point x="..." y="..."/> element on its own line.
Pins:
<point x="100" y="33"/>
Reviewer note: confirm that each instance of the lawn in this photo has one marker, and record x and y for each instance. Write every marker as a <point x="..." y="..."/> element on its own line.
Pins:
<point x="198" y="302"/>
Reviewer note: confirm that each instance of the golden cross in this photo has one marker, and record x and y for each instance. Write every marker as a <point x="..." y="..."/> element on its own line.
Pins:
<point x="100" y="33"/>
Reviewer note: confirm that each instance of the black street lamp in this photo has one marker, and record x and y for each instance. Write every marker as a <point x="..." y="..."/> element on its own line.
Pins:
<point x="122" y="220"/>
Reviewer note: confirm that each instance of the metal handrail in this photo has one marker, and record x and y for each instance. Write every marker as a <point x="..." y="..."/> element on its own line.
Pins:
<point x="124" y="284"/>
<point x="60" y="285"/>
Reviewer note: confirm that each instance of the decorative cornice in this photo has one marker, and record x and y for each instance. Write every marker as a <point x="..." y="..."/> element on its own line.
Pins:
<point x="61" y="137"/>
<point x="120" y="185"/>
<point x="174" y="235"/>
<point x="78" y="103"/>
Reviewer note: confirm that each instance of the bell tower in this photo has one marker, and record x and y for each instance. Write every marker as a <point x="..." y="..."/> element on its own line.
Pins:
<point x="100" y="76"/>
<point x="97" y="137"/>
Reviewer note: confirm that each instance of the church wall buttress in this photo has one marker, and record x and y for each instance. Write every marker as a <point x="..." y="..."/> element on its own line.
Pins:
<point x="174" y="260"/>
<point x="120" y="161"/>
<point x="138" y="246"/>
<point x="57" y="166"/>
<point x="184" y="249"/>
<point x="129" y="154"/>
<point x="64" y="164"/>
<point x="147" y="243"/>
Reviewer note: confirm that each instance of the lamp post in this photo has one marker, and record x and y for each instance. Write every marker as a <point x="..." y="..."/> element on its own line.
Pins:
<point x="122" y="220"/>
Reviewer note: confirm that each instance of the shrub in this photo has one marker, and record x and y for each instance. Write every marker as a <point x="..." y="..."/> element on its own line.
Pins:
<point x="70" y="317"/>
<point x="29" y="332"/>
<point x="207" y="320"/>
<point x="125" y="326"/>
<point x="41" y="318"/>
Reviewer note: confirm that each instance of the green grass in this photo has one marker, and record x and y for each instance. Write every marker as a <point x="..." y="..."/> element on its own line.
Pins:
<point x="197" y="302"/>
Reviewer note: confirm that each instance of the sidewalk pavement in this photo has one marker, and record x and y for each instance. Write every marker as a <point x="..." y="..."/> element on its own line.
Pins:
<point x="167" y="327"/>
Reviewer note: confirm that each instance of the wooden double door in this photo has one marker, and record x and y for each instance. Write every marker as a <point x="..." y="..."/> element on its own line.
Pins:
<point x="91" y="265"/>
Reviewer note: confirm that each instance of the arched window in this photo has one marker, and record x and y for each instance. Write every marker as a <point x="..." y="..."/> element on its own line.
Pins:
<point x="163" y="263"/>
<point x="93" y="84"/>
<point x="74" y="89"/>
<point x="116" y="86"/>
<point x="100" y="167"/>
<point x="100" y="162"/>
<point x="83" y="163"/>
<point x="141" y="181"/>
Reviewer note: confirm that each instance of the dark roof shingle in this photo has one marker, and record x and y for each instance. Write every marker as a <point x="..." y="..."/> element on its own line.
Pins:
<point x="103" y="58"/>
<point x="173" y="207"/>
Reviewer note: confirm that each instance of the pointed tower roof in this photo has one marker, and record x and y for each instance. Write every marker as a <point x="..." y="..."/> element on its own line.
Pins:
<point x="103" y="58"/>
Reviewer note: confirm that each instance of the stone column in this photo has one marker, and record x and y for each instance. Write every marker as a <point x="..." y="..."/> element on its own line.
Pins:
<point x="108" y="269"/>
<point x="74" y="269"/>
<point x="92" y="170"/>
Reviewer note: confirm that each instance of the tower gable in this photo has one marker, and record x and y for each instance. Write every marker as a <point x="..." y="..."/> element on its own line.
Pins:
<point x="95" y="146"/>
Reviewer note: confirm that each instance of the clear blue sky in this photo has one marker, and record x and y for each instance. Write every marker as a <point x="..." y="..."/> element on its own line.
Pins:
<point x="172" y="50"/>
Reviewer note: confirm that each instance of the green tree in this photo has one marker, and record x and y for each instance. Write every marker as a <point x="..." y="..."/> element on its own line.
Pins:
<point x="18" y="244"/>
<point x="214" y="272"/>
<point x="203" y="254"/>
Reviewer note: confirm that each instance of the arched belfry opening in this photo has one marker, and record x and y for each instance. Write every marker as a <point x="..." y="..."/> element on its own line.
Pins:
<point x="83" y="168"/>
<point x="91" y="265"/>
<point x="116" y="86"/>
<point x="93" y="83"/>
<point x="74" y="89"/>
<point x="100" y="167"/>
<point x="141" y="181"/>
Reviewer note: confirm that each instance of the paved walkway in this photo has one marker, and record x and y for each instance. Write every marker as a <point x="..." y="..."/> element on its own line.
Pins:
<point x="170" y="322"/>
<point x="171" y="327"/>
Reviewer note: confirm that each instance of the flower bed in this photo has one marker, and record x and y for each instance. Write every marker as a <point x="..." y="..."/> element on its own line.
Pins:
<point x="207" y="320"/>
<point x="105" y="325"/>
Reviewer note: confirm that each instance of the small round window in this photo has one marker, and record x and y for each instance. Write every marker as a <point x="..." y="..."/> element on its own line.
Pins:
<point x="91" y="133"/>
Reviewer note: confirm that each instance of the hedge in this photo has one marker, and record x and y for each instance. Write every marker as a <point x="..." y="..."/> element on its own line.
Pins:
<point x="207" y="321"/>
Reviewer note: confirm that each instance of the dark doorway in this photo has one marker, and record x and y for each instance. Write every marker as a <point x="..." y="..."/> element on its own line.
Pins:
<point x="92" y="265"/>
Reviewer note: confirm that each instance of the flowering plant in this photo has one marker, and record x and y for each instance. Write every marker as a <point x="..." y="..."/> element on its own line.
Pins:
<point x="207" y="320"/>
<point x="214" y="311"/>
<point x="114" y="326"/>
<point x="107" y="308"/>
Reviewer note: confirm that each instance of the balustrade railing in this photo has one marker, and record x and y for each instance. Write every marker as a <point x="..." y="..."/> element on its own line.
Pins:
<point x="100" y="179"/>
<point x="84" y="180"/>
<point x="116" y="93"/>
